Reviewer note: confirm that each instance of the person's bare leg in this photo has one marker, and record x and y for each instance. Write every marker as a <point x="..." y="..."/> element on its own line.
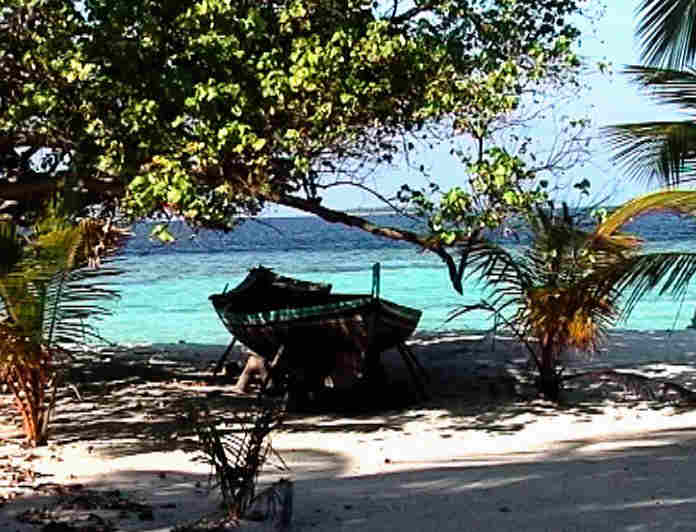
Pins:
<point x="255" y="367"/>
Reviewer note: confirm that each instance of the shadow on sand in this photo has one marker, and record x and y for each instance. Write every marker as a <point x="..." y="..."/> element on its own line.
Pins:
<point x="627" y="485"/>
<point x="128" y="403"/>
<point x="638" y="485"/>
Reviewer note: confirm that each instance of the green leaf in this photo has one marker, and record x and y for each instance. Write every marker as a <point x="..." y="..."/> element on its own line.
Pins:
<point x="161" y="232"/>
<point x="258" y="144"/>
<point x="174" y="196"/>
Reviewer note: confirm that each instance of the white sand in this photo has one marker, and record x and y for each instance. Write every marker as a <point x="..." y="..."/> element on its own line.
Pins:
<point x="474" y="457"/>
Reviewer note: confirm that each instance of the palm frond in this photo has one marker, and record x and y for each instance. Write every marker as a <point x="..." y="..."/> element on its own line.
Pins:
<point x="74" y="302"/>
<point x="492" y="263"/>
<point x="634" y="276"/>
<point x="53" y="294"/>
<point x="667" y="86"/>
<point x="679" y="201"/>
<point x="501" y="270"/>
<point x="20" y="293"/>
<point x="667" y="31"/>
<point x="666" y="273"/>
<point x="661" y="153"/>
<point x="576" y="315"/>
<point x="465" y="309"/>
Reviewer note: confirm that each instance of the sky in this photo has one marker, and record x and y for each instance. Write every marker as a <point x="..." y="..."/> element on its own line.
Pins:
<point x="610" y="99"/>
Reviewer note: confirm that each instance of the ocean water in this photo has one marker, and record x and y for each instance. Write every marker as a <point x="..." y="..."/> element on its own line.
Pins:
<point x="165" y="288"/>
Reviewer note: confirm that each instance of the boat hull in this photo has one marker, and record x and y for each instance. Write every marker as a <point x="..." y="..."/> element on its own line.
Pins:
<point x="359" y="323"/>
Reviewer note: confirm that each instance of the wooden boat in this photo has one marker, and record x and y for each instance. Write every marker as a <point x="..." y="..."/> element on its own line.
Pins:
<point x="263" y="289"/>
<point x="316" y="329"/>
<point x="341" y="322"/>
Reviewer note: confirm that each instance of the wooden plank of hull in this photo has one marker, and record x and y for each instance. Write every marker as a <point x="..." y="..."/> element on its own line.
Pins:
<point x="342" y="333"/>
<point x="335" y="345"/>
<point x="346" y="329"/>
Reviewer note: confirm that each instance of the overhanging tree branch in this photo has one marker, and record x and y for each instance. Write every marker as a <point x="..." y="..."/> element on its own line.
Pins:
<point x="47" y="186"/>
<point x="389" y="203"/>
<point x="393" y="233"/>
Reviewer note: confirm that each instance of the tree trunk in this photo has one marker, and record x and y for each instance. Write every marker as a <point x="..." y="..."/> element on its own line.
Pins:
<point x="549" y="380"/>
<point x="329" y="215"/>
<point x="29" y="377"/>
<point x="549" y="384"/>
<point x="28" y="384"/>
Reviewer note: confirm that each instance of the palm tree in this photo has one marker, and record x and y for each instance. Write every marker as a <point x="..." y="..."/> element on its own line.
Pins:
<point x="553" y="295"/>
<point x="663" y="152"/>
<point x="571" y="284"/>
<point x="49" y="286"/>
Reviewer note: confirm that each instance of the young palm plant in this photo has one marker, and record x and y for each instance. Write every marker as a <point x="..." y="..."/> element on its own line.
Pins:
<point x="570" y="285"/>
<point x="553" y="295"/>
<point x="49" y="286"/>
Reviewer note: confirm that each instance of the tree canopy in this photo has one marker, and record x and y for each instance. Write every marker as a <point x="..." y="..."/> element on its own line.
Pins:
<point x="212" y="109"/>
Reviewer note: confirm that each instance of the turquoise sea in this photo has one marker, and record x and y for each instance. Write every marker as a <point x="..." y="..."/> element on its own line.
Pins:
<point x="165" y="288"/>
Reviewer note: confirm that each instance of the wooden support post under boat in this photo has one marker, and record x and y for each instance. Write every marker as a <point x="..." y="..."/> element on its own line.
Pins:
<point x="224" y="356"/>
<point x="416" y="362"/>
<point x="412" y="363"/>
<point x="273" y="370"/>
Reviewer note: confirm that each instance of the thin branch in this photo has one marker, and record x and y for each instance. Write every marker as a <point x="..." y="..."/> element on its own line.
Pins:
<point x="268" y="225"/>
<point x="393" y="233"/>
<point x="369" y="190"/>
<point x="413" y="12"/>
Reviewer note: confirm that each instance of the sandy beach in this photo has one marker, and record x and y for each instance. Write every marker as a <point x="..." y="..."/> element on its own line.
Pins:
<point x="481" y="453"/>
